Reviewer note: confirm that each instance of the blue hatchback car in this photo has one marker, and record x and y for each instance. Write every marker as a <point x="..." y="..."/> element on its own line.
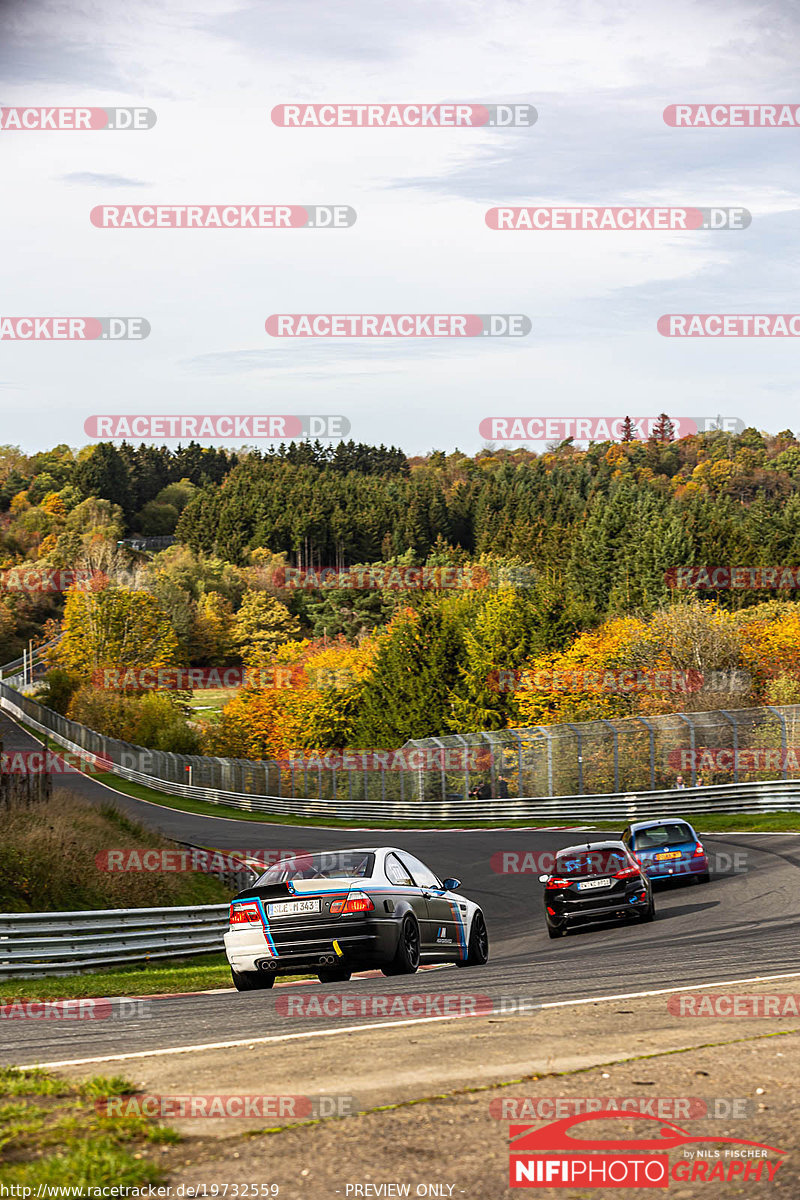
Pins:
<point x="667" y="849"/>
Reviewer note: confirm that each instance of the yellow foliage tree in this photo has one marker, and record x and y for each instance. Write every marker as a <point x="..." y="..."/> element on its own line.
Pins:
<point x="114" y="629"/>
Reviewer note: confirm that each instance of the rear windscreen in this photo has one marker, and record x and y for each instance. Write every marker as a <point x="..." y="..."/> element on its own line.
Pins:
<point x="663" y="835"/>
<point x="336" y="864"/>
<point x="591" y="862"/>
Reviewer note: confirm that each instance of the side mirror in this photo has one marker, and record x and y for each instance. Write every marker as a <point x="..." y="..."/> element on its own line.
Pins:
<point x="543" y="878"/>
<point x="450" y="885"/>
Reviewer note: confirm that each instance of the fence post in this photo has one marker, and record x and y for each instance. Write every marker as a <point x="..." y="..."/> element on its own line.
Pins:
<point x="460" y="739"/>
<point x="616" y="752"/>
<point x="577" y="731"/>
<point x="688" y="721"/>
<point x="651" y="731"/>
<point x="784" y="766"/>
<point x="735" y="728"/>
<point x="491" y="739"/>
<point x="519" y="761"/>
<point x="549" y="739"/>
<point x="438" y="743"/>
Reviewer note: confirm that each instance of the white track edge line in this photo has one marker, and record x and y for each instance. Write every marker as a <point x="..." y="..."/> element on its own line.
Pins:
<point x="290" y="1037"/>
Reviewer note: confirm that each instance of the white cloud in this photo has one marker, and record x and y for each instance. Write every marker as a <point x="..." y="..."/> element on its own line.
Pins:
<point x="599" y="74"/>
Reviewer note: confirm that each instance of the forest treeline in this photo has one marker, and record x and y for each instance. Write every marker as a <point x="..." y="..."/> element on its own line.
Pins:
<point x="574" y="549"/>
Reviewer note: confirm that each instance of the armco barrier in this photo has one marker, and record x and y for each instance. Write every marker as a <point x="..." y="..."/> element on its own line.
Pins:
<point x="66" y="943"/>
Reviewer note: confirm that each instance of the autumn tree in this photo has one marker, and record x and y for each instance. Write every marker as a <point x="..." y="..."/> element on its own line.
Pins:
<point x="212" y="633"/>
<point x="260" y="626"/>
<point x="112" y="628"/>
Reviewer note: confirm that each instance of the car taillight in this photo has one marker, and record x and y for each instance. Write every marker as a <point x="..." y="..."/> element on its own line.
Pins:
<point x="698" y="850"/>
<point x="244" y="914"/>
<point x="627" y="873"/>
<point x="556" y="883"/>
<point x="356" y="902"/>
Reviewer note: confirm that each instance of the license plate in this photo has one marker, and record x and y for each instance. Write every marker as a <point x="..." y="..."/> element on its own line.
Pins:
<point x="289" y="908"/>
<point x="671" y="854"/>
<point x="593" y="883"/>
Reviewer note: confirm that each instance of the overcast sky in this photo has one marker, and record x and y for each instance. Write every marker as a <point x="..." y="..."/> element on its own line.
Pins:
<point x="599" y="75"/>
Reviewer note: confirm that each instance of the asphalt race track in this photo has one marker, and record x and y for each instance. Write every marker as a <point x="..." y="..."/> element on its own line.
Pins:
<point x="740" y="925"/>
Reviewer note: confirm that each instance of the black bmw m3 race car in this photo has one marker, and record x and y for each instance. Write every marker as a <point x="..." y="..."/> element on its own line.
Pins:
<point x="335" y="912"/>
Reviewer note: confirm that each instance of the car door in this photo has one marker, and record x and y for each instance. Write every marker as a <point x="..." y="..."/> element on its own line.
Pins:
<point x="444" y="932"/>
<point x="400" y="877"/>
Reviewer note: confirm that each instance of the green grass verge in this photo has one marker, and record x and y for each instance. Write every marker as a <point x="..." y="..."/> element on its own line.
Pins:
<point x="139" y="979"/>
<point x="200" y="974"/>
<point x="55" y="1132"/>
<point x="777" y="822"/>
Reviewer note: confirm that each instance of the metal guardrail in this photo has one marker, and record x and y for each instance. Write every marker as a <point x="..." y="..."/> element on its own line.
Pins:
<point x="68" y="943"/>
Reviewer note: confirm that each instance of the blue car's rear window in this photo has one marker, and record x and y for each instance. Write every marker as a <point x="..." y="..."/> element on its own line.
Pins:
<point x="668" y="834"/>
